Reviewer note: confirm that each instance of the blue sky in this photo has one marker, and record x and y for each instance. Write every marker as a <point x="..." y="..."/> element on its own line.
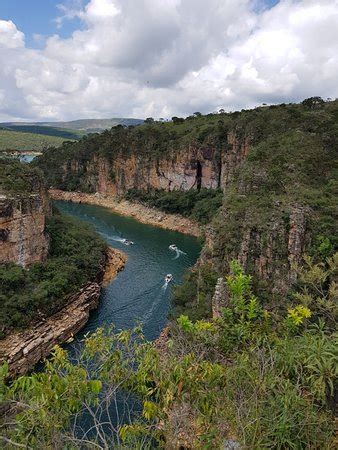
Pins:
<point x="38" y="17"/>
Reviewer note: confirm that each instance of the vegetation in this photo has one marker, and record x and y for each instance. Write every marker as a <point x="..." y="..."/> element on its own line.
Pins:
<point x="65" y="133"/>
<point x="198" y="205"/>
<point x="193" y="297"/>
<point x="16" y="178"/>
<point x="290" y="167"/>
<point x="16" y="140"/>
<point x="251" y="377"/>
<point x="75" y="255"/>
<point x="263" y="373"/>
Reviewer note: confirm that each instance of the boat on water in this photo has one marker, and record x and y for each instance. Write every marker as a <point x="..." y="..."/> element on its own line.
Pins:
<point x="173" y="247"/>
<point x="168" y="278"/>
<point x="127" y="242"/>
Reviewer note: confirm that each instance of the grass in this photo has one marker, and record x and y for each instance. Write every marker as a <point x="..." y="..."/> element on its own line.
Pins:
<point x="16" y="140"/>
<point x="65" y="133"/>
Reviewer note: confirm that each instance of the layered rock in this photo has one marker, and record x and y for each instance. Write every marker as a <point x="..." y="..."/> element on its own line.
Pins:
<point x="22" y="227"/>
<point x="116" y="261"/>
<point x="193" y="166"/>
<point x="271" y="253"/>
<point x="23" y="349"/>
<point x="220" y="298"/>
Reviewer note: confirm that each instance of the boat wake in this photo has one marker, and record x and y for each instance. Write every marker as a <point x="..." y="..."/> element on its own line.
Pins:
<point x="175" y="249"/>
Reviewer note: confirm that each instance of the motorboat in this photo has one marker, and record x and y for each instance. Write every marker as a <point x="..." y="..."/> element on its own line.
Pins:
<point x="168" y="278"/>
<point x="173" y="247"/>
<point x="127" y="242"/>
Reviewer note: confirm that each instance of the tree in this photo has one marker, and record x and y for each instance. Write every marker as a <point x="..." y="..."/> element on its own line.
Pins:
<point x="149" y="120"/>
<point x="177" y="120"/>
<point x="313" y="103"/>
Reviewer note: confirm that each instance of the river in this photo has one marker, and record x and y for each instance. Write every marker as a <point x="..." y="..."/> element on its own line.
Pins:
<point x="138" y="294"/>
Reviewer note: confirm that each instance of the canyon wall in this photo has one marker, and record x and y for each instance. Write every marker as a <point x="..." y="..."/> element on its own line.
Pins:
<point x="22" y="226"/>
<point x="192" y="166"/>
<point x="23" y="349"/>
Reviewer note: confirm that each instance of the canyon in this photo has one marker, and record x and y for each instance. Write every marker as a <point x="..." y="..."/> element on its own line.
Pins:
<point x="267" y="251"/>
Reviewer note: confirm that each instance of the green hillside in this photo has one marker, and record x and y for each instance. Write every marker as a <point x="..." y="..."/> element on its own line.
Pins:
<point x="65" y="133"/>
<point x="16" y="140"/>
<point x="82" y="126"/>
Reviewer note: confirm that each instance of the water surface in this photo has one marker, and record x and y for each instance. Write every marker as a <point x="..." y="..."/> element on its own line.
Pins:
<point x="138" y="294"/>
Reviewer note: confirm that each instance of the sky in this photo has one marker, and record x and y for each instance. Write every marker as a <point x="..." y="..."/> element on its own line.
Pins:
<point x="71" y="59"/>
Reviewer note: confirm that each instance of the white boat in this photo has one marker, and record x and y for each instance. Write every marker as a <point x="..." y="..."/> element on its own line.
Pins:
<point x="168" y="278"/>
<point x="173" y="247"/>
<point x="127" y="242"/>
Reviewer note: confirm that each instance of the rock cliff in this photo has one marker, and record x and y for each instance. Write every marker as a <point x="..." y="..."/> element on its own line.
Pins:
<point x="23" y="239"/>
<point x="192" y="166"/>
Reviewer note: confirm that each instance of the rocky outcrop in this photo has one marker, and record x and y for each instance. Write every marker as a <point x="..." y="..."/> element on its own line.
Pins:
<point x="296" y="238"/>
<point x="269" y="252"/>
<point x="193" y="166"/>
<point x="23" y="349"/>
<point x="22" y="228"/>
<point x="116" y="261"/>
<point x="140" y="212"/>
<point x="220" y="299"/>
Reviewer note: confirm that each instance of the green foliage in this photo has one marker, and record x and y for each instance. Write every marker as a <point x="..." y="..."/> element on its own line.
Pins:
<point x="16" y="177"/>
<point x="75" y="255"/>
<point x="313" y="103"/>
<point x="18" y="140"/>
<point x="198" y="205"/>
<point x="271" y="387"/>
<point x="193" y="296"/>
<point x="64" y="133"/>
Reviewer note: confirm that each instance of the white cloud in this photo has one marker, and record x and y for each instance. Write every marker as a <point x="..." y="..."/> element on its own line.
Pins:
<point x="10" y="36"/>
<point x="165" y="57"/>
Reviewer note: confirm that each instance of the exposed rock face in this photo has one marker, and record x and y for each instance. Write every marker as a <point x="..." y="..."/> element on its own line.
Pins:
<point x="24" y="349"/>
<point x="296" y="238"/>
<point x="22" y="228"/>
<point x="270" y="254"/>
<point x="116" y="261"/>
<point x="192" y="167"/>
<point x="220" y="298"/>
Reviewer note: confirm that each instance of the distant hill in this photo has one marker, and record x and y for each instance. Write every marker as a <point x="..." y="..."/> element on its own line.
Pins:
<point x="65" y="133"/>
<point x="16" y="140"/>
<point x="83" y="126"/>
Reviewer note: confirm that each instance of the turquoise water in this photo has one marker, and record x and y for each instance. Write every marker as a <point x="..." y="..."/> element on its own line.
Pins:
<point x="138" y="294"/>
<point x="26" y="158"/>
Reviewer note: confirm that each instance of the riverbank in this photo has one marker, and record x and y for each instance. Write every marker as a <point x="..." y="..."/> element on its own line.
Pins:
<point x="140" y="212"/>
<point x="23" y="349"/>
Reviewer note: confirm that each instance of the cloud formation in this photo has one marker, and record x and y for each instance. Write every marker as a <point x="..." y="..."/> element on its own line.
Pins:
<point x="168" y="57"/>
